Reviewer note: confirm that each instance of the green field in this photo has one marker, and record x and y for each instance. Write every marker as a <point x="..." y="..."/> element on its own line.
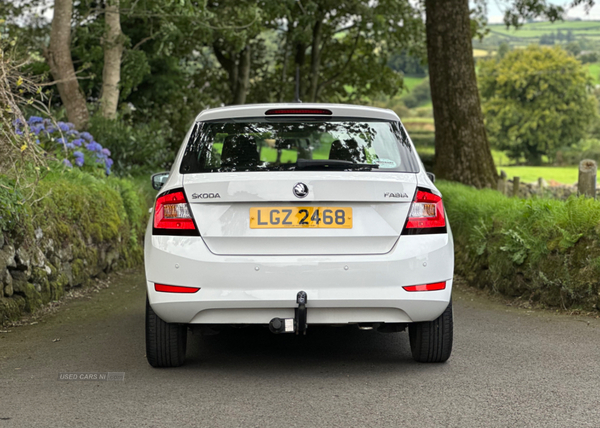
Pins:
<point x="530" y="174"/>
<point x="594" y="70"/>
<point x="588" y="29"/>
<point x="411" y="81"/>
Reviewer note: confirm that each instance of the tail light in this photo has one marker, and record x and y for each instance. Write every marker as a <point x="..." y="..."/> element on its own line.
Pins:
<point x="173" y="216"/>
<point x="426" y="214"/>
<point x="426" y="287"/>
<point x="174" y="289"/>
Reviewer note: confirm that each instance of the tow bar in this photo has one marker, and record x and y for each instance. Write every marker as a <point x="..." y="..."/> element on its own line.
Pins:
<point x="291" y="325"/>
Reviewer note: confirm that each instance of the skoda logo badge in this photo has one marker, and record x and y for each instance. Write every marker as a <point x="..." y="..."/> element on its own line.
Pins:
<point x="301" y="190"/>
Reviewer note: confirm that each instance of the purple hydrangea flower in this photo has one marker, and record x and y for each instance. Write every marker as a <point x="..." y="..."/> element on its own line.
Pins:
<point x="78" y="158"/>
<point x="36" y="129"/>
<point x="87" y="136"/>
<point x="35" y="119"/>
<point x="19" y="131"/>
<point x="37" y="141"/>
<point x="94" y="147"/>
<point x="50" y="129"/>
<point x="67" y="163"/>
<point x="107" y="171"/>
<point x="109" y="163"/>
<point x="63" y="127"/>
<point x="73" y="133"/>
<point x="106" y="152"/>
<point x="70" y="125"/>
<point x="70" y="146"/>
<point x="61" y="141"/>
<point x="78" y="142"/>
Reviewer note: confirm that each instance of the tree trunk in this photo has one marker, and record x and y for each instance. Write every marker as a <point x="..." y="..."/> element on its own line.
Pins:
<point x="299" y="62"/>
<point x="462" y="150"/>
<point x="113" y="50"/>
<point x="315" y="61"/>
<point x="228" y="65"/>
<point x="237" y="67"/>
<point x="243" y="77"/>
<point x="58" y="56"/>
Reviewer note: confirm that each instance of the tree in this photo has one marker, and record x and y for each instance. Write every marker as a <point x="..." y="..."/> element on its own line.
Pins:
<point x="236" y="45"/>
<point x="461" y="146"/>
<point x="573" y="48"/>
<point x="503" y="49"/>
<point x="462" y="149"/>
<point x="535" y="101"/>
<point x="113" y="51"/>
<point x="346" y="45"/>
<point x="58" y="56"/>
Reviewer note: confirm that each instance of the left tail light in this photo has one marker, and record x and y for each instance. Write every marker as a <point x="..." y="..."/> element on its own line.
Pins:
<point x="173" y="216"/>
<point x="426" y="214"/>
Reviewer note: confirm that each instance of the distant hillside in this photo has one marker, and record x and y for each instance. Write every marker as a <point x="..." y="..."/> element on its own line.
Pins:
<point x="573" y="30"/>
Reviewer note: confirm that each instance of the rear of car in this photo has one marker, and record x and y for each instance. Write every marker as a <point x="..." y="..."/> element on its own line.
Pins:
<point x="295" y="215"/>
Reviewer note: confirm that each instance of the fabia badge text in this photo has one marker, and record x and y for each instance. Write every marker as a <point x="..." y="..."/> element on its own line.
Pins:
<point x="395" y="195"/>
<point x="205" y="195"/>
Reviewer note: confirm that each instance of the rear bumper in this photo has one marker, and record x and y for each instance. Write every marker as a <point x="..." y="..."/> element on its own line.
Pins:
<point x="340" y="289"/>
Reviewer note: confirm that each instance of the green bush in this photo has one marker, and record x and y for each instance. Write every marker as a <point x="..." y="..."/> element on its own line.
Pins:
<point x="420" y="94"/>
<point x="585" y="149"/>
<point x="135" y="149"/>
<point x="11" y="205"/>
<point x="540" y="249"/>
<point x="80" y="208"/>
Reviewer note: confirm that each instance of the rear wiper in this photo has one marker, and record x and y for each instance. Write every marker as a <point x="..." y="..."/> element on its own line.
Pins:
<point x="320" y="164"/>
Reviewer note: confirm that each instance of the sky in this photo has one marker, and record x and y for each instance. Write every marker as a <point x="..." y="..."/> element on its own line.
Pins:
<point x="496" y="8"/>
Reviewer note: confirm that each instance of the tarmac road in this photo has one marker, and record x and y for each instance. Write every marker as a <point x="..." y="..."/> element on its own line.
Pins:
<point x="510" y="367"/>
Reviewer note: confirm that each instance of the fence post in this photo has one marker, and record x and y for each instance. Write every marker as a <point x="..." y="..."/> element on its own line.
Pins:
<point x="586" y="185"/>
<point x="516" y="186"/>
<point x="502" y="182"/>
<point x="541" y="186"/>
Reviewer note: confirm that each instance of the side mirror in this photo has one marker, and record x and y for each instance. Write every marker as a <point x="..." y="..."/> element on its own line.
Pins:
<point x="159" y="180"/>
<point x="431" y="176"/>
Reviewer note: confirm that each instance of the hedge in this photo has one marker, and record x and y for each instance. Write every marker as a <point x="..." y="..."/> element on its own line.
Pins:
<point x="543" y="250"/>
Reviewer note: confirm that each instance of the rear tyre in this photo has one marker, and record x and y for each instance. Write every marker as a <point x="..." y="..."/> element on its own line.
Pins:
<point x="431" y="341"/>
<point x="165" y="343"/>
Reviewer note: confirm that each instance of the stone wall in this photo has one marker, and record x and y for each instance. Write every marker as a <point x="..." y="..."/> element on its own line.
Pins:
<point x="39" y="271"/>
<point x="80" y="228"/>
<point x="527" y="190"/>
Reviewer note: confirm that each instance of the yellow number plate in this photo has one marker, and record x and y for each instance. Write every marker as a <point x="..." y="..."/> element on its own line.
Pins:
<point x="298" y="217"/>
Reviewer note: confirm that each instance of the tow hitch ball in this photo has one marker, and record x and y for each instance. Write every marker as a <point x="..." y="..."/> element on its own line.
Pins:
<point x="291" y="325"/>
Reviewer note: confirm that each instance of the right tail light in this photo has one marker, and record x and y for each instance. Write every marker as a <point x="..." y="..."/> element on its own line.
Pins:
<point x="426" y="214"/>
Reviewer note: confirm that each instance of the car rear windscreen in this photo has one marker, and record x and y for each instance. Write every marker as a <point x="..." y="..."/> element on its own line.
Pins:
<point x="293" y="144"/>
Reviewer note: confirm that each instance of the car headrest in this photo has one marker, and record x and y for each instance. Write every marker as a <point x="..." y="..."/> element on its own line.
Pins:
<point x="240" y="152"/>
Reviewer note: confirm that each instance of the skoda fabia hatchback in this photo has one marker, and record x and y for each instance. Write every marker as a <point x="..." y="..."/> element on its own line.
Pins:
<point x="296" y="215"/>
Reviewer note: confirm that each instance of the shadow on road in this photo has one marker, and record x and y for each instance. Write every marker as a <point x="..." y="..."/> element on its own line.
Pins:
<point x="255" y="348"/>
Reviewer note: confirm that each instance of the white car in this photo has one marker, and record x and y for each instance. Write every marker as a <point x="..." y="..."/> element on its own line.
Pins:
<point x="294" y="215"/>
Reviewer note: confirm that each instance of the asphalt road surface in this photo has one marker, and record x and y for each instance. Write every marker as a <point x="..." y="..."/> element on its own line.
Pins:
<point x="510" y="368"/>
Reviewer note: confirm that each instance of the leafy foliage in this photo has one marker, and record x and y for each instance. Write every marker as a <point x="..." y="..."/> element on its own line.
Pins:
<point x="11" y="204"/>
<point x="535" y="100"/>
<point x="540" y="249"/>
<point x="137" y="149"/>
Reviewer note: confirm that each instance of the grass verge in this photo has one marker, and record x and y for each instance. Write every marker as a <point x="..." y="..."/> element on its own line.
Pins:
<point x="546" y="251"/>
